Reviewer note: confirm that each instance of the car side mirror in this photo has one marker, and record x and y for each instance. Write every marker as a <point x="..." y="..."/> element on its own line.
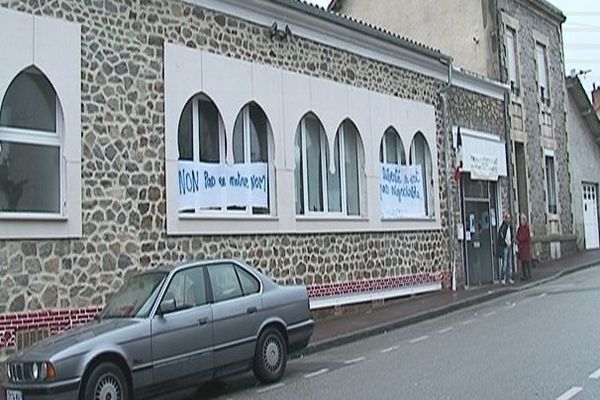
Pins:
<point x="167" y="306"/>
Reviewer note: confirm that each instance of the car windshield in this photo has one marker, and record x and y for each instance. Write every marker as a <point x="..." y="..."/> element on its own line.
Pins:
<point x="135" y="298"/>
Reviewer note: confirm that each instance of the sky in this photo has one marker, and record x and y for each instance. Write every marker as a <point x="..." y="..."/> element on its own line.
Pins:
<point x="581" y="36"/>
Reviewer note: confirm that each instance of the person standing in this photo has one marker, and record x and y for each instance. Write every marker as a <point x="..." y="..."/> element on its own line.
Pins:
<point x="524" y="245"/>
<point x="505" y="241"/>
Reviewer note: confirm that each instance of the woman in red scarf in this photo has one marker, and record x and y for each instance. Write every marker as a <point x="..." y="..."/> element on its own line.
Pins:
<point x="524" y="243"/>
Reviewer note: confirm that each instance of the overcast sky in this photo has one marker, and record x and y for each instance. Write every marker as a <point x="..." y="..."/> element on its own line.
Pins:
<point x="581" y="37"/>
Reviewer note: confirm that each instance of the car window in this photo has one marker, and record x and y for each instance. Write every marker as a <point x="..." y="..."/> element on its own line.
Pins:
<point x="187" y="288"/>
<point x="249" y="283"/>
<point x="224" y="281"/>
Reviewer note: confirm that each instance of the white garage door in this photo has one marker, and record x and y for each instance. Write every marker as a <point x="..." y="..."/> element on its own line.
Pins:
<point x="590" y="216"/>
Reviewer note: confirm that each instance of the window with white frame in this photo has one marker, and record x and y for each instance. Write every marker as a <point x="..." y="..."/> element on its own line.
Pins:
<point x="391" y="150"/>
<point x="30" y="146"/>
<point x="542" y="72"/>
<point x="420" y="155"/>
<point x="551" y="198"/>
<point x="252" y="138"/>
<point x="512" y="59"/>
<point x="323" y="187"/>
<point x="201" y="136"/>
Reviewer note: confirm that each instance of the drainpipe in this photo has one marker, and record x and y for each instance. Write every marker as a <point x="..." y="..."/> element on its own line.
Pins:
<point x="447" y="145"/>
<point x="508" y="145"/>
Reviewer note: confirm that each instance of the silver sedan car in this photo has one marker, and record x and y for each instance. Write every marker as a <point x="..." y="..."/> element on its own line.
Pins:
<point x="177" y="326"/>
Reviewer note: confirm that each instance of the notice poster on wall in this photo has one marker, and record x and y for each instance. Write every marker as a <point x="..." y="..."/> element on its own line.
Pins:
<point x="483" y="168"/>
<point x="401" y="191"/>
<point x="204" y="185"/>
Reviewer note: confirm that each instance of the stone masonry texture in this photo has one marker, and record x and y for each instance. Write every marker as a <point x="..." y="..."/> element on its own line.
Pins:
<point x="123" y="182"/>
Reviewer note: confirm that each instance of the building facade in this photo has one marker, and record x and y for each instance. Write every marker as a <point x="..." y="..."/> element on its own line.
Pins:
<point x="134" y="135"/>
<point x="583" y="127"/>
<point x="518" y="42"/>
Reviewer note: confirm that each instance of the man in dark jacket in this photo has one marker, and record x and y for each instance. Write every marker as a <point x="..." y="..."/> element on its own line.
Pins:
<point x="505" y="242"/>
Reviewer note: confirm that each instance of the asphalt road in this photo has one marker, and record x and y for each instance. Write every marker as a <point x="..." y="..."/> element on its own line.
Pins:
<point x="538" y="344"/>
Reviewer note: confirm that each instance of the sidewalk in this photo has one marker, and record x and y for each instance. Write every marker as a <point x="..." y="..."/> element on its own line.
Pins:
<point x="398" y="313"/>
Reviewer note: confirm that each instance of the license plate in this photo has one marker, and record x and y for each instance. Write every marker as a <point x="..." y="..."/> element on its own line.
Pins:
<point x="14" y="395"/>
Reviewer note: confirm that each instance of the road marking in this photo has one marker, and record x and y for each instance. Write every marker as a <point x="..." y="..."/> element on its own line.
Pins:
<point x="569" y="394"/>
<point x="541" y="296"/>
<point x="419" y="339"/>
<point x="445" y="330"/>
<point x="489" y="314"/>
<point x="316" y="373"/>
<point x="595" y="375"/>
<point x="512" y="305"/>
<point x="467" y="322"/>
<point x="272" y="387"/>
<point x="354" y="360"/>
<point x="389" y="349"/>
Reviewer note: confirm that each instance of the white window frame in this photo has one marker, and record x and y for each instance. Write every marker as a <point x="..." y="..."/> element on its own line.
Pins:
<point x="29" y="48"/>
<point x="399" y="149"/>
<point x="341" y="134"/>
<point x="541" y="40"/>
<point x="429" y="202"/>
<point x="39" y="138"/>
<point x="246" y="121"/>
<point x="512" y="54"/>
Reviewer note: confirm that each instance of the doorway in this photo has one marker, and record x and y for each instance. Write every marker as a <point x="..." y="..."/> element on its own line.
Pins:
<point x="590" y="216"/>
<point x="479" y="220"/>
<point x="521" y="177"/>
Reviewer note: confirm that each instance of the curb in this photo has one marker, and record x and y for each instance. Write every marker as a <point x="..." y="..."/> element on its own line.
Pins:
<point x="433" y="313"/>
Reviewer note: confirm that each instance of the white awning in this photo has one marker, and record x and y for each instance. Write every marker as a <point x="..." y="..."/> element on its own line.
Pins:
<point x="483" y="154"/>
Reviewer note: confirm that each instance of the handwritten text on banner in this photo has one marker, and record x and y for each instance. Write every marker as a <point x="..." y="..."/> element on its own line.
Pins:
<point x="401" y="191"/>
<point x="204" y="185"/>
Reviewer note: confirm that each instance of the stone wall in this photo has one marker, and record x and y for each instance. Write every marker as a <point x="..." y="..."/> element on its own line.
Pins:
<point x="473" y="111"/>
<point x="123" y="162"/>
<point x="530" y="21"/>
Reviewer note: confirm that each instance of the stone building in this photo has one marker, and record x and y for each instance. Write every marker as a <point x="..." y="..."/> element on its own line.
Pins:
<point x="518" y="42"/>
<point x="596" y="99"/>
<point x="299" y="120"/>
<point x="583" y="127"/>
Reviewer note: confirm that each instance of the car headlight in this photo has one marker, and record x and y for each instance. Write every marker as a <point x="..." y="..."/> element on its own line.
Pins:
<point x="42" y="371"/>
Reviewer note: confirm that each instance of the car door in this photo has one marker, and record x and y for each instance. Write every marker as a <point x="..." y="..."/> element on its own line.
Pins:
<point x="237" y="313"/>
<point x="182" y="339"/>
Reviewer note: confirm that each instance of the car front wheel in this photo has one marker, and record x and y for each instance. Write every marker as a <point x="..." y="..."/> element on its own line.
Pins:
<point x="106" y="382"/>
<point x="270" y="358"/>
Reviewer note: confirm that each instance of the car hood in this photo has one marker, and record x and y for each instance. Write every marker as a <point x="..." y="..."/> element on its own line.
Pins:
<point x="78" y="339"/>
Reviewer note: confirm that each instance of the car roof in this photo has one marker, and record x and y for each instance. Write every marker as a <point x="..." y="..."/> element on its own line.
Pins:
<point x="191" y="263"/>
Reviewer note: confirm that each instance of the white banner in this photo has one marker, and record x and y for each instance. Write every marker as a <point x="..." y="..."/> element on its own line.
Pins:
<point x="205" y="185"/>
<point x="401" y="191"/>
<point x="483" y="168"/>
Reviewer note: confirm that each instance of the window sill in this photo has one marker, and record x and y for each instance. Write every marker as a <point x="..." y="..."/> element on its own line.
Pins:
<point x="324" y="217"/>
<point x="232" y="217"/>
<point x="408" y="219"/>
<point x="5" y="216"/>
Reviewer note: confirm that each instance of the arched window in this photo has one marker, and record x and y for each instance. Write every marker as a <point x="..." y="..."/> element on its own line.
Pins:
<point x="252" y="138"/>
<point x="30" y="146"/>
<point x="420" y="155"/>
<point x="201" y="135"/>
<point x="391" y="150"/>
<point x="320" y="186"/>
<point x="349" y="166"/>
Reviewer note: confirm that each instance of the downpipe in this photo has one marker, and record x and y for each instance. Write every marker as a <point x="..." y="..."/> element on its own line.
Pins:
<point x="449" y="194"/>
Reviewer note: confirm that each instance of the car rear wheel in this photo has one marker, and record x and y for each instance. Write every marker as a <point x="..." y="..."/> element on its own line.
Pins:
<point x="106" y="382"/>
<point x="270" y="358"/>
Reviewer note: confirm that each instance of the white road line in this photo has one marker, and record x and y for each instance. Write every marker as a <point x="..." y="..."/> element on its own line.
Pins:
<point x="354" y="360"/>
<point x="569" y="394"/>
<point x="541" y="296"/>
<point x="467" y="322"/>
<point x="445" y="330"/>
<point x="389" y="349"/>
<point x="419" y="339"/>
<point x="272" y="387"/>
<point x="489" y="314"/>
<point x="595" y="375"/>
<point x="316" y="373"/>
<point x="512" y="305"/>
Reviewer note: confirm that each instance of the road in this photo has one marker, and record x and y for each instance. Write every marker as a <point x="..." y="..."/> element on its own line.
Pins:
<point x="538" y="344"/>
